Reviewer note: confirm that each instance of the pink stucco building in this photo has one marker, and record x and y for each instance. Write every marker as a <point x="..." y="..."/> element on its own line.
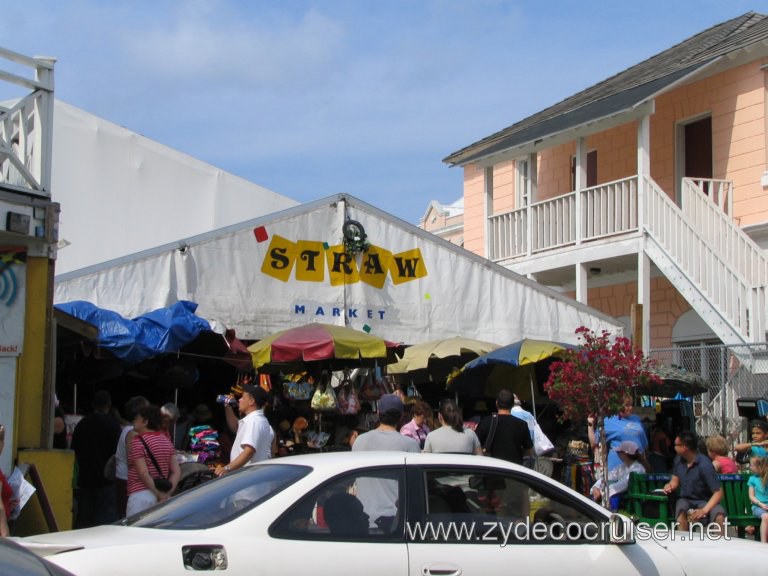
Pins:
<point x="649" y="188"/>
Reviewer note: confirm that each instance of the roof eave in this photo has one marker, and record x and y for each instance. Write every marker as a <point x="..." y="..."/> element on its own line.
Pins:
<point x="734" y="58"/>
<point x="556" y="138"/>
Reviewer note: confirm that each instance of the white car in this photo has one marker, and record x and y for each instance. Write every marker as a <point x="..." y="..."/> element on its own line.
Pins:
<point x="388" y="513"/>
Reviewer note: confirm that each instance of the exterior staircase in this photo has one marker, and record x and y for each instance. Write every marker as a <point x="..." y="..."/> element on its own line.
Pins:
<point x="717" y="267"/>
<point x="719" y="270"/>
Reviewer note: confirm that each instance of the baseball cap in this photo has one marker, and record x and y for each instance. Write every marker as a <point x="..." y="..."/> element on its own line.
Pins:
<point x="628" y="447"/>
<point x="390" y="402"/>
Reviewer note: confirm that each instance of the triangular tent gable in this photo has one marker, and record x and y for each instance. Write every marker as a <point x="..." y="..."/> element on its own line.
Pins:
<point x="292" y="268"/>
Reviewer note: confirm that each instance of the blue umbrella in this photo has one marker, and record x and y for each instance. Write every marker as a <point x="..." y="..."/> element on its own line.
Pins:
<point x="525" y="352"/>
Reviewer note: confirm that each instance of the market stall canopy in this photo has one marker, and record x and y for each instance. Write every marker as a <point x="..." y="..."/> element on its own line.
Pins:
<point x="133" y="340"/>
<point x="340" y="261"/>
<point x="435" y="359"/>
<point x="506" y="367"/>
<point x="340" y="345"/>
<point x="675" y="380"/>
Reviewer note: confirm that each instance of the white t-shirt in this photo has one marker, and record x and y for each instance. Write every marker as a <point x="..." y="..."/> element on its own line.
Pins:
<point x="618" y="478"/>
<point x="253" y="430"/>
<point x="121" y="454"/>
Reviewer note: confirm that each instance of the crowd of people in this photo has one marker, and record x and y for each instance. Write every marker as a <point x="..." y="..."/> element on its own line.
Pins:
<point x="126" y="464"/>
<point x="694" y="467"/>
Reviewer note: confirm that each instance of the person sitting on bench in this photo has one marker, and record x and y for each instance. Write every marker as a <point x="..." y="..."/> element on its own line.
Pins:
<point x="700" y="491"/>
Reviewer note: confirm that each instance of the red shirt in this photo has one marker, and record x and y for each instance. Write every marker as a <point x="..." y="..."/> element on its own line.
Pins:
<point x="7" y="494"/>
<point x="162" y="449"/>
<point x="727" y="466"/>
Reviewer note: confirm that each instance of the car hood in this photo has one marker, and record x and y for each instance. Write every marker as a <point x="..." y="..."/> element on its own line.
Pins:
<point x="98" y="537"/>
<point x="734" y="555"/>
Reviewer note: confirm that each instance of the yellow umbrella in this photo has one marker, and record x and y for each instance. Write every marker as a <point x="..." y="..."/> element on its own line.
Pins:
<point x="420" y="356"/>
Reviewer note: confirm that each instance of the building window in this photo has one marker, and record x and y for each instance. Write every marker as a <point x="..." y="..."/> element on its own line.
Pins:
<point x="523" y="184"/>
<point x="591" y="170"/>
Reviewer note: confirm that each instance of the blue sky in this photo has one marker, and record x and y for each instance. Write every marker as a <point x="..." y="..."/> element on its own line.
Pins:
<point x="315" y="98"/>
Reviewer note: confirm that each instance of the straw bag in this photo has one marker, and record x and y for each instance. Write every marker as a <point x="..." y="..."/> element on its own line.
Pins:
<point x="371" y="390"/>
<point x="324" y="398"/>
<point x="298" y="387"/>
<point x="349" y="402"/>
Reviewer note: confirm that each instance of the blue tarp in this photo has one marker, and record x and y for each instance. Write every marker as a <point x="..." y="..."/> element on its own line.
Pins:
<point x="158" y="332"/>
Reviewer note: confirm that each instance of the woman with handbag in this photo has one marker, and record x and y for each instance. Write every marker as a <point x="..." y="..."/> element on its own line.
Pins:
<point x="153" y="471"/>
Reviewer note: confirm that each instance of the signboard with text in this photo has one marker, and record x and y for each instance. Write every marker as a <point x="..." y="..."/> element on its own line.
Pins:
<point x="13" y="280"/>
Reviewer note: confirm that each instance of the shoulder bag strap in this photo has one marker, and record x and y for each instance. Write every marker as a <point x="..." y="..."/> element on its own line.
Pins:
<point x="152" y="457"/>
<point x="491" y="432"/>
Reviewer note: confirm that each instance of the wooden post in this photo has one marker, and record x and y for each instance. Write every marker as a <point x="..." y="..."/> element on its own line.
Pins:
<point x="636" y="314"/>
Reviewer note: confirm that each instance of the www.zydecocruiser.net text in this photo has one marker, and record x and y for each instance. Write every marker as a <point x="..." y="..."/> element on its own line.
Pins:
<point x="504" y="533"/>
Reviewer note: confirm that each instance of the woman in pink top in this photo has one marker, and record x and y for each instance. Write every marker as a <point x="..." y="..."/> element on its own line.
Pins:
<point x="142" y="471"/>
<point x="717" y="448"/>
<point x="417" y="428"/>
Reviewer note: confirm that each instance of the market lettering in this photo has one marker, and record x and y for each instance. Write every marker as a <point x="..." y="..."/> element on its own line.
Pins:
<point x="371" y="267"/>
<point x="301" y="310"/>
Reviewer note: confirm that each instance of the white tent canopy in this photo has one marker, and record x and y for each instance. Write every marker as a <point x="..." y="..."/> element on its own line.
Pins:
<point x="290" y="268"/>
<point x="121" y="192"/>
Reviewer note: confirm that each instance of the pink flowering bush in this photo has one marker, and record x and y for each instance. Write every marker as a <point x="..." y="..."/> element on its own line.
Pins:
<point x="595" y="378"/>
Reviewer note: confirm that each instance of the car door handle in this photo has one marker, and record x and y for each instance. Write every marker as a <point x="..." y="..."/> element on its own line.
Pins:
<point x="440" y="570"/>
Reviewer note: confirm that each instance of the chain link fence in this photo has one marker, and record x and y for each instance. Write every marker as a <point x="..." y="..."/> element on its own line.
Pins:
<point x="731" y="372"/>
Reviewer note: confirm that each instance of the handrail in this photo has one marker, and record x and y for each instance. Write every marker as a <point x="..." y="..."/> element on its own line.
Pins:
<point x="728" y="239"/>
<point x="508" y="234"/>
<point x="26" y="128"/>
<point x="737" y="298"/>
<point x="717" y="191"/>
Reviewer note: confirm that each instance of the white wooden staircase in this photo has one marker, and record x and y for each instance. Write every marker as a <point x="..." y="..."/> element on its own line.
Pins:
<point x="719" y="270"/>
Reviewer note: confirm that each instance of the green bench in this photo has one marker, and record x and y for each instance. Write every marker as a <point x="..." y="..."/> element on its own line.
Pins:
<point x="643" y="506"/>
<point x="737" y="503"/>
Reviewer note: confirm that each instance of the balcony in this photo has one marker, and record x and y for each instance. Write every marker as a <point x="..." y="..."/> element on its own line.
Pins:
<point x="596" y="213"/>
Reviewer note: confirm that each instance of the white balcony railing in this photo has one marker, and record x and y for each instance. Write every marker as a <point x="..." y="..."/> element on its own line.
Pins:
<point x="707" y="205"/>
<point x="26" y="128"/>
<point x="606" y="210"/>
<point x="700" y="239"/>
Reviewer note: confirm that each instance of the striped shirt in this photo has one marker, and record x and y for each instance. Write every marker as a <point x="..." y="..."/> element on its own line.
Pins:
<point x="162" y="450"/>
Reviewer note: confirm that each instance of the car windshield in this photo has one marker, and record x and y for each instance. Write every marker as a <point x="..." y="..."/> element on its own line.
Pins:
<point x="219" y="501"/>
